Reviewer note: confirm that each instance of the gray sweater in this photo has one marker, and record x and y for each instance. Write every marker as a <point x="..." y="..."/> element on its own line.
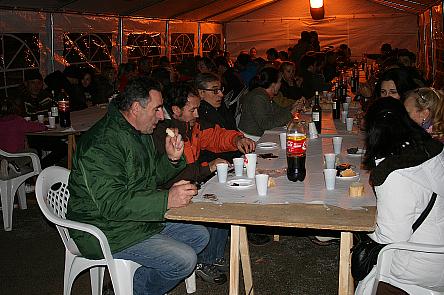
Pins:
<point x="259" y="113"/>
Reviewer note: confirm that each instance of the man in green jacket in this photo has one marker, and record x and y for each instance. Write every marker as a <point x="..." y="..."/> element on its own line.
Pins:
<point x="113" y="185"/>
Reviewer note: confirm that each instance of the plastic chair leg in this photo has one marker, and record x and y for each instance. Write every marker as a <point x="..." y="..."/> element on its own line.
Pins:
<point x="96" y="274"/>
<point x="7" y="205"/>
<point x="22" y="197"/>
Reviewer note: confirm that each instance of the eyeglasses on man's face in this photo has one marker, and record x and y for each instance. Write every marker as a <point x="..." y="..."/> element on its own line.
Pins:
<point x="215" y="90"/>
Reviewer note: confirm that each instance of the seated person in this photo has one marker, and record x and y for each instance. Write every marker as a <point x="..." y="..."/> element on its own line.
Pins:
<point x="113" y="185"/>
<point x="290" y="83"/>
<point x="32" y="99"/>
<point x="182" y="102"/>
<point x="395" y="83"/>
<point x="105" y="84"/>
<point x="406" y="166"/>
<point x="259" y="112"/>
<point x="311" y="67"/>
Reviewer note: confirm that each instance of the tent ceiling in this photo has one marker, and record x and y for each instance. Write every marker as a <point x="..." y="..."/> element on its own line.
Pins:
<point x="200" y="10"/>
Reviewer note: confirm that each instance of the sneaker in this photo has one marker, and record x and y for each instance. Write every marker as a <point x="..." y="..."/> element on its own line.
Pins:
<point x="222" y="264"/>
<point x="210" y="274"/>
<point x="323" y="241"/>
<point x="259" y="239"/>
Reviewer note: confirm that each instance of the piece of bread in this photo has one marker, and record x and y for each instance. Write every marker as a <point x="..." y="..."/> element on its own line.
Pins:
<point x="356" y="189"/>
<point x="348" y="173"/>
<point x="271" y="182"/>
<point x="170" y="132"/>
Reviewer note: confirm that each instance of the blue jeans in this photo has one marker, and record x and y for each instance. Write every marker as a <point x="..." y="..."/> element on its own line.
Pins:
<point x="216" y="246"/>
<point x="166" y="258"/>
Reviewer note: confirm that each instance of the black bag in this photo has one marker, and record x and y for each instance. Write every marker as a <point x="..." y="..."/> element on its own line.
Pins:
<point x="365" y="252"/>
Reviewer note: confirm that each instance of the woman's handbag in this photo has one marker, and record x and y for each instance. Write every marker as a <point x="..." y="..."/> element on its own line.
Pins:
<point x="365" y="252"/>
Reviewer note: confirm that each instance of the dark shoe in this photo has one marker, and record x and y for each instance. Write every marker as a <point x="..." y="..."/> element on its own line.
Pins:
<point x="259" y="239"/>
<point x="324" y="241"/>
<point x="222" y="264"/>
<point x="210" y="274"/>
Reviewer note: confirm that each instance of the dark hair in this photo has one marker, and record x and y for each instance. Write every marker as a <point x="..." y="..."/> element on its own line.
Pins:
<point x="307" y="60"/>
<point x="208" y="63"/>
<point x="177" y="95"/>
<point x="203" y="78"/>
<point x="272" y="53"/>
<point x="305" y="36"/>
<point x="243" y="59"/>
<point x="402" y="79"/>
<point x="33" y="74"/>
<point x="265" y="78"/>
<point x="161" y="75"/>
<point x="72" y="71"/>
<point x="137" y="89"/>
<point x="221" y="61"/>
<point x="283" y="55"/>
<point x="7" y="107"/>
<point x="388" y="127"/>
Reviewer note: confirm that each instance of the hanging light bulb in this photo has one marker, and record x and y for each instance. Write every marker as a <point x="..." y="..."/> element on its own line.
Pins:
<point x="317" y="9"/>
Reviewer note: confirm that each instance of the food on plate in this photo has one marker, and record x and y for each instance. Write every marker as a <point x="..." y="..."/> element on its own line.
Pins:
<point x="347" y="173"/>
<point x="342" y="167"/>
<point x="271" y="182"/>
<point x="211" y="197"/>
<point x="356" y="189"/>
<point x="170" y="132"/>
<point x="352" y="150"/>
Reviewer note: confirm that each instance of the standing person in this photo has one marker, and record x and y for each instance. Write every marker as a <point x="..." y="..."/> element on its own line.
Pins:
<point x="406" y="166"/>
<point x="113" y="185"/>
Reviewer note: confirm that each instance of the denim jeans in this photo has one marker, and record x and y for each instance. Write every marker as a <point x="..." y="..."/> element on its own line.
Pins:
<point x="166" y="258"/>
<point x="216" y="246"/>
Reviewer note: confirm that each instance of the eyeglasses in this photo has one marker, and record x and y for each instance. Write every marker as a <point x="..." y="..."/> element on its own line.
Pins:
<point x="215" y="90"/>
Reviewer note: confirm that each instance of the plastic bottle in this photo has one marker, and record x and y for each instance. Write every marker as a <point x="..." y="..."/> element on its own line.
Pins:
<point x="296" y="148"/>
<point x="64" y="111"/>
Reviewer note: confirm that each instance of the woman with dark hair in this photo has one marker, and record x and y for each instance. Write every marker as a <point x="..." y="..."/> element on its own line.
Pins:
<point x="406" y="167"/>
<point x="88" y="86"/>
<point x="258" y="111"/>
<point x="395" y="83"/>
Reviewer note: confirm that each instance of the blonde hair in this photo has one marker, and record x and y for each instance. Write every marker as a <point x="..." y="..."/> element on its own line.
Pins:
<point x="433" y="100"/>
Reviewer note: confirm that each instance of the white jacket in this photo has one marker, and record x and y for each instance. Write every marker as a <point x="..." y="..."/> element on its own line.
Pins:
<point x="401" y="199"/>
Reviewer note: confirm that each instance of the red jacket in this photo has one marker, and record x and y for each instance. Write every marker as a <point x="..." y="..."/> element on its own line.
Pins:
<point x="13" y="131"/>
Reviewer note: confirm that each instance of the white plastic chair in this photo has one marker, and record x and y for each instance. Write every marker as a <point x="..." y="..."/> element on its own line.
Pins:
<point x="53" y="202"/>
<point x="10" y="184"/>
<point x="382" y="269"/>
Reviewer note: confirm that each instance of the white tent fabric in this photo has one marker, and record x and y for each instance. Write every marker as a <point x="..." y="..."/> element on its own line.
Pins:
<point x="363" y="25"/>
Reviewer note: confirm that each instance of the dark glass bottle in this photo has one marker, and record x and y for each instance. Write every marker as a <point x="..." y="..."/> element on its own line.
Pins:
<point x="64" y="111"/>
<point x="336" y="103"/>
<point x="54" y="109"/>
<point x="316" y="113"/>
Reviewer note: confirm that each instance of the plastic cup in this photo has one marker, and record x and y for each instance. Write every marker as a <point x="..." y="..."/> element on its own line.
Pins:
<point x="222" y="171"/>
<point x="262" y="184"/>
<point x="41" y="118"/>
<point x="283" y="140"/>
<point x="349" y="124"/>
<point x="313" y="132"/>
<point x="49" y="114"/>
<point x="27" y="118"/>
<point x="51" y="122"/>
<point x="330" y="179"/>
<point x="251" y="160"/>
<point x="345" y="106"/>
<point x="330" y="160"/>
<point x="344" y="115"/>
<point x="348" y="99"/>
<point x="337" y="142"/>
<point x="238" y="166"/>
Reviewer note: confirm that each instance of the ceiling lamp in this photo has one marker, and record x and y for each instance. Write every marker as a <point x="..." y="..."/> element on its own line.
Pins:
<point x="317" y="9"/>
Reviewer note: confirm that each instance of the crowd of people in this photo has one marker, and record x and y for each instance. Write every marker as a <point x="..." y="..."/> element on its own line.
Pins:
<point x="128" y="171"/>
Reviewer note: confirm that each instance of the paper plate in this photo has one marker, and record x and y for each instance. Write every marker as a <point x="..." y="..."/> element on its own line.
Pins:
<point x="356" y="177"/>
<point x="267" y="145"/>
<point x="240" y="183"/>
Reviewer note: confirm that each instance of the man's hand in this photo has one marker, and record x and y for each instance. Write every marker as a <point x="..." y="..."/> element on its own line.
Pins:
<point x="244" y="145"/>
<point x="174" y="145"/>
<point x="213" y="164"/>
<point x="180" y="194"/>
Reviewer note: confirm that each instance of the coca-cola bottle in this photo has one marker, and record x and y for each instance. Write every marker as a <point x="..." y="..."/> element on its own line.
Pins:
<point x="296" y="147"/>
<point x="64" y="111"/>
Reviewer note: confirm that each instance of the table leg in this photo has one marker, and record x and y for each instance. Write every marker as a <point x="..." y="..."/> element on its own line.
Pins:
<point x="71" y="149"/>
<point x="346" y="286"/>
<point x="245" y="259"/>
<point x="234" y="260"/>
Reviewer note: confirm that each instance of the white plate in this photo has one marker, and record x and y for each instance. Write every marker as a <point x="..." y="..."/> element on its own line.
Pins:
<point x="240" y="183"/>
<point x="267" y="145"/>
<point x="356" y="177"/>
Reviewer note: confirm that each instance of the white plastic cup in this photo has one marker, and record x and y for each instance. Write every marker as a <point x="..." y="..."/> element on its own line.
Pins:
<point x="283" y="140"/>
<point x="27" y="118"/>
<point x="330" y="160"/>
<point x="349" y="122"/>
<point x="330" y="179"/>
<point x="238" y="166"/>
<point x="222" y="171"/>
<point x="348" y="99"/>
<point x="262" y="184"/>
<point x="251" y="160"/>
<point x="51" y="122"/>
<point x="49" y="114"/>
<point x="313" y="132"/>
<point x="41" y="118"/>
<point x="344" y="115"/>
<point x="345" y="106"/>
<point x="337" y="142"/>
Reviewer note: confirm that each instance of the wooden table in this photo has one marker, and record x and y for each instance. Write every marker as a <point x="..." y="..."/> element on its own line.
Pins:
<point x="81" y="121"/>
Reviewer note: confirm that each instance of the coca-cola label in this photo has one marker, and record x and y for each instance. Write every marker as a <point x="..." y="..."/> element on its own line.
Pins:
<point x="63" y="106"/>
<point x="296" y="143"/>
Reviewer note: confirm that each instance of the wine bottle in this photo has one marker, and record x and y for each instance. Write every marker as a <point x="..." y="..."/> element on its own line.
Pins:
<point x="316" y="113"/>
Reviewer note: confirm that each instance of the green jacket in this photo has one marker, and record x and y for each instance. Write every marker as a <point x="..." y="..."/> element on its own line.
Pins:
<point x="113" y="185"/>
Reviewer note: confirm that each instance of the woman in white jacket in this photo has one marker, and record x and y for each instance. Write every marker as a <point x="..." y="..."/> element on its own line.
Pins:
<point x="406" y="166"/>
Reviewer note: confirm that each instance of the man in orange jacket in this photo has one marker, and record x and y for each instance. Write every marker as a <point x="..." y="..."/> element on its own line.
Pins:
<point x="182" y="103"/>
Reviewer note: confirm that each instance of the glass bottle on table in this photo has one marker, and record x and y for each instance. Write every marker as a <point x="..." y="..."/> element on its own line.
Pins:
<point x="63" y="108"/>
<point x="316" y="113"/>
<point x="336" y="103"/>
<point x="296" y="149"/>
<point x="54" y="107"/>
